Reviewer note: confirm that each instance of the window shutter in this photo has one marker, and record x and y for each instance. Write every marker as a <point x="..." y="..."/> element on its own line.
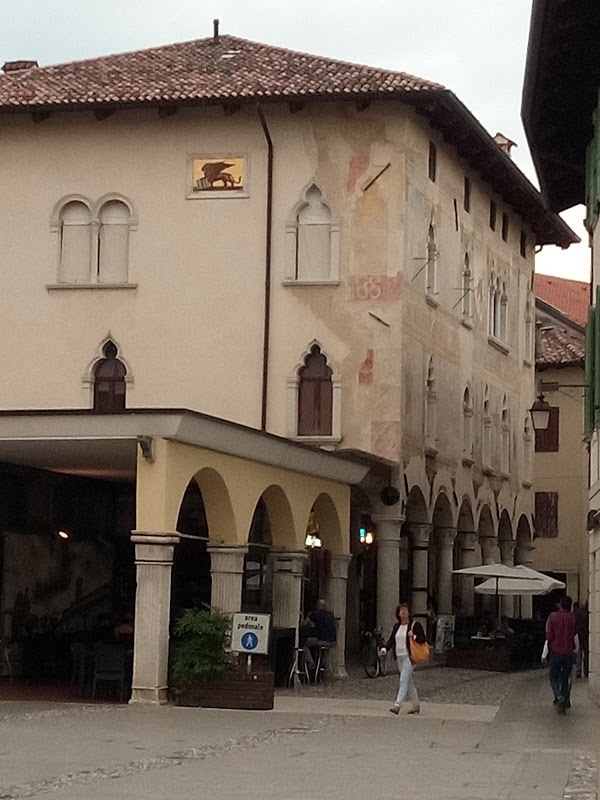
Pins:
<point x="307" y="408"/>
<point x="76" y="244"/>
<point x="548" y="441"/>
<point x="546" y="515"/>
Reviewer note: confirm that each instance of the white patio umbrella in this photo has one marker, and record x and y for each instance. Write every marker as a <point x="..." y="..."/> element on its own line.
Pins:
<point x="500" y="572"/>
<point x="519" y="586"/>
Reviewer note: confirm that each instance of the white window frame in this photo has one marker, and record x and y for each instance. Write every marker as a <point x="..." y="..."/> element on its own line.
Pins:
<point x="89" y="375"/>
<point x="486" y="442"/>
<point x="291" y="245"/>
<point x="466" y="291"/>
<point x="293" y="383"/>
<point x="505" y="430"/>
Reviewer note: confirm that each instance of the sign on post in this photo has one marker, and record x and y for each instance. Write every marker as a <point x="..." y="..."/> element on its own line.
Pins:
<point x="250" y="633"/>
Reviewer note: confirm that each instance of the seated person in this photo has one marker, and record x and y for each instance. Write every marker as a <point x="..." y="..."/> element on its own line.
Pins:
<point x="323" y="631"/>
<point x="503" y="629"/>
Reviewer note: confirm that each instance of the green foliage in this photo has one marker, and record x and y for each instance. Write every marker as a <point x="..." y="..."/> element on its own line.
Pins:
<point x="200" y="639"/>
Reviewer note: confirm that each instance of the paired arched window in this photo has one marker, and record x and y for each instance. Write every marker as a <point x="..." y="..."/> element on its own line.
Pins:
<point x="94" y="245"/>
<point x="486" y="444"/>
<point x="315" y="395"/>
<point x="498" y="309"/>
<point x="467" y="409"/>
<point x="109" y="381"/>
<point x="313" y="241"/>
<point x="431" y="263"/>
<point x="505" y="438"/>
<point x="466" y="289"/>
<point x="430" y="407"/>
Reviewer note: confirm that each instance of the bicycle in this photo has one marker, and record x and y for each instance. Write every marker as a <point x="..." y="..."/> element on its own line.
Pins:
<point x="373" y="663"/>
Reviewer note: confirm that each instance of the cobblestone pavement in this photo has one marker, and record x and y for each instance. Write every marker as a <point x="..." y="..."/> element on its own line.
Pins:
<point x="434" y="685"/>
<point x="316" y="745"/>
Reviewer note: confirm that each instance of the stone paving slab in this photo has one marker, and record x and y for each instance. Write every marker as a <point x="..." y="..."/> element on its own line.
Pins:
<point x="380" y="708"/>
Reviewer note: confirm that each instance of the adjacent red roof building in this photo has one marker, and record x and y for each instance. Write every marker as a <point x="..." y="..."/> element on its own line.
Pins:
<point x="571" y="298"/>
<point x="562" y="307"/>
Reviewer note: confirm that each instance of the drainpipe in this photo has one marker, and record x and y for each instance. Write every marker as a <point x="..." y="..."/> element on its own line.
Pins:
<point x="268" y="247"/>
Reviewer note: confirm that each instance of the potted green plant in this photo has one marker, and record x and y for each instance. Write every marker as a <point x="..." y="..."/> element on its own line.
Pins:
<point x="205" y="674"/>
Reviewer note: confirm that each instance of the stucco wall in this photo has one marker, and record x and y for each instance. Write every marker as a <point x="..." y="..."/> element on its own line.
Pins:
<point x="191" y="332"/>
<point x="566" y="472"/>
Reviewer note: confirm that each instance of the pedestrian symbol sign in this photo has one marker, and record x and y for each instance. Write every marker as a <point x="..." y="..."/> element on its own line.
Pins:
<point x="249" y="641"/>
<point x="250" y="633"/>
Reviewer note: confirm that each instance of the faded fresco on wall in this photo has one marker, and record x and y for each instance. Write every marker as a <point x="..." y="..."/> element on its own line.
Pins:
<point x="222" y="175"/>
<point x="50" y="584"/>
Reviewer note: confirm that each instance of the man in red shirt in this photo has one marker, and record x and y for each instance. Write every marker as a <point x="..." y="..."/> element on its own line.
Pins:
<point x="561" y="634"/>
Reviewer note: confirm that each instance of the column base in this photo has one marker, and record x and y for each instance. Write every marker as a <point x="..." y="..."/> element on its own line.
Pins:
<point x="149" y="697"/>
<point x="340" y="673"/>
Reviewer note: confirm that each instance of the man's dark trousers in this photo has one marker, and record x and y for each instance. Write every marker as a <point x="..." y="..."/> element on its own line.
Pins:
<point x="560" y="675"/>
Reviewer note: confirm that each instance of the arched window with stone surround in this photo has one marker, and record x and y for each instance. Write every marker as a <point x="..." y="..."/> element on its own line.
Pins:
<point x="312" y="241"/>
<point x="315" y="395"/>
<point x="109" y="381"/>
<point x="505" y="438"/>
<point x="527" y="450"/>
<point x="431" y="263"/>
<point x="430" y="407"/>
<point x="113" y="242"/>
<point x="502" y="334"/>
<point x="75" y="230"/>
<point x="529" y="348"/>
<point x="486" y="444"/>
<point x="467" y="424"/>
<point x="466" y="292"/>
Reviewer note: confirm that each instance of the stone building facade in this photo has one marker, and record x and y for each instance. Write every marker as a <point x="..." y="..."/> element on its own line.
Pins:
<point x="327" y="253"/>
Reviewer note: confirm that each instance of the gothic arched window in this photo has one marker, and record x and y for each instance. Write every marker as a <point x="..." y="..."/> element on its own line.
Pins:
<point x="315" y="395"/>
<point x="109" y="381"/>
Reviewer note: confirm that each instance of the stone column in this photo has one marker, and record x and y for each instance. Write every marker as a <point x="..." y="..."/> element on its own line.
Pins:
<point x="336" y="601"/>
<point x="491" y="555"/>
<point x="388" y="569"/>
<point x="445" y="540"/>
<point x="524" y="555"/>
<point x="507" y="554"/>
<point x="288" y="570"/>
<point x="153" y="561"/>
<point x="420" y="533"/>
<point x="227" y="572"/>
<point x="468" y="558"/>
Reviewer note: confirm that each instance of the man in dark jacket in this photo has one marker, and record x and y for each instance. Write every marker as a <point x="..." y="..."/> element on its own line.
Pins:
<point x="322" y="631"/>
<point x="561" y="634"/>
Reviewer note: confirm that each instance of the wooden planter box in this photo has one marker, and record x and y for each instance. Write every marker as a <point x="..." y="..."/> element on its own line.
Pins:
<point x="233" y="690"/>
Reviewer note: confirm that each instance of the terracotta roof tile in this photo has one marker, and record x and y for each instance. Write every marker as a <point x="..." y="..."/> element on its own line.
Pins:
<point x="199" y="70"/>
<point x="571" y="298"/>
<point x="560" y="347"/>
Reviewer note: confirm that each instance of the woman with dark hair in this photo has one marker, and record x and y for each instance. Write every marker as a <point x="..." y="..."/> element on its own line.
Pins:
<point x="404" y="632"/>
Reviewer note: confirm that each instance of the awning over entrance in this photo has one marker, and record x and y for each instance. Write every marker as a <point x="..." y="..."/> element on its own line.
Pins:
<point x="86" y="443"/>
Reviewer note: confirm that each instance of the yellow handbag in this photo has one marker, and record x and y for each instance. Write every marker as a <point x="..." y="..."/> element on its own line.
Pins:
<point x="419" y="653"/>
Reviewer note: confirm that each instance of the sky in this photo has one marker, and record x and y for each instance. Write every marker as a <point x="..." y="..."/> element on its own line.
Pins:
<point x="475" y="48"/>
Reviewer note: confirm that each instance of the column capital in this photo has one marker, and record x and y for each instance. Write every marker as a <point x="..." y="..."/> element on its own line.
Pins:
<point x="468" y="540"/>
<point x="339" y="565"/>
<point x="489" y="549"/>
<point x="227" y="558"/>
<point x="160" y="538"/>
<point x="419" y="532"/>
<point x="524" y="554"/>
<point x="446" y="537"/>
<point x="152" y="547"/>
<point x="289" y="561"/>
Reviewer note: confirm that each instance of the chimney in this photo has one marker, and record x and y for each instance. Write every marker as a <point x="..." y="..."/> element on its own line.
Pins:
<point x="215" y="31"/>
<point x="504" y="143"/>
<point x="19" y="66"/>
